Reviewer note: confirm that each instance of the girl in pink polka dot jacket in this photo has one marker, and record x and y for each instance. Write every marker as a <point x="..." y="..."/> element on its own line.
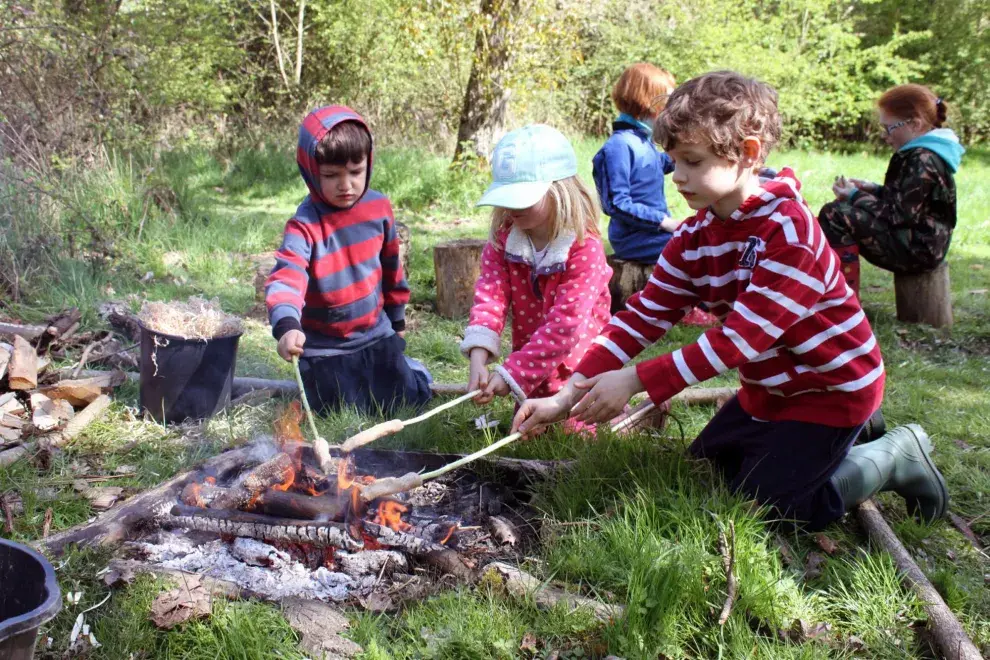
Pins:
<point x="544" y="261"/>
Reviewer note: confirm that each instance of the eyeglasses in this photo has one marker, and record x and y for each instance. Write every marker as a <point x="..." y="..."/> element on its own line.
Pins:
<point x="893" y="127"/>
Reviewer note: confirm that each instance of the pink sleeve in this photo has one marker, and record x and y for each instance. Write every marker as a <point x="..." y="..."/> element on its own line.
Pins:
<point x="586" y="274"/>
<point x="487" y="318"/>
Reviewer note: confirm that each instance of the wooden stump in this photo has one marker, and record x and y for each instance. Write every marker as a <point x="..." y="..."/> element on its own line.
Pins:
<point x="628" y="277"/>
<point x="457" y="265"/>
<point x="925" y="298"/>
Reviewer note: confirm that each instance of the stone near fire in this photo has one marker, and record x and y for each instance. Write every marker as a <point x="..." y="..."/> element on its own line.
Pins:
<point x="320" y="627"/>
<point x="256" y="553"/>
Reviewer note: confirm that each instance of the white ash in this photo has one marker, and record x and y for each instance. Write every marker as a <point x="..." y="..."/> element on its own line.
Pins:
<point x="283" y="578"/>
<point x="370" y="562"/>
<point x="429" y="494"/>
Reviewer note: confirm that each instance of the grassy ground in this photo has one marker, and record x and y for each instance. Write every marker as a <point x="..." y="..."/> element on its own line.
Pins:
<point x="642" y="521"/>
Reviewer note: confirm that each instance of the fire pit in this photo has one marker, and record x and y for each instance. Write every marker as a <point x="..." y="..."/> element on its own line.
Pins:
<point x="274" y="524"/>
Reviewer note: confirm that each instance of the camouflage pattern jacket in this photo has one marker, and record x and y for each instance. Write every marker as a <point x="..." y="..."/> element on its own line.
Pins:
<point x="916" y="203"/>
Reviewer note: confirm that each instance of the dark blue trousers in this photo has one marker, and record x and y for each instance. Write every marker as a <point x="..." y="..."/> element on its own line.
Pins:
<point x="379" y="378"/>
<point x="786" y="465"/>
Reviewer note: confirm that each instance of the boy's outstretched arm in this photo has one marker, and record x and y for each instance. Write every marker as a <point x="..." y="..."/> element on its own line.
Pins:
<point x="285" y="288"/>
<point x="395" y="288"/>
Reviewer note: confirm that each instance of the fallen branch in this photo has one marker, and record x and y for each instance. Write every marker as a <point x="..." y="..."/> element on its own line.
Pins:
<point x="966" y="531"/>
<point x="279" y="469"/>
<point x="28" y="332"/>
<point x="943" y="624"/>
<point x="524" y="585"/>
<point x="728" y="552"/>
<point x="144" y="510"/>
<point x="85" y="354"/>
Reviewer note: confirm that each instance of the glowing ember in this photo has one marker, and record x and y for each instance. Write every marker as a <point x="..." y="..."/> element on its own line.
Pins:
<point x="390" y="515"/>
<point x="192" y="495"/>
<point x="450" y="533"/>
<point x="211" y="480"/>
<point x="290" y="478"/>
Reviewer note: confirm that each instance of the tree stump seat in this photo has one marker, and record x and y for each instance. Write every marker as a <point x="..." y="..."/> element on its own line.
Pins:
<point x="628" y="277"/>
<point x="924" y="297"/>
<point x="457" y="265"/>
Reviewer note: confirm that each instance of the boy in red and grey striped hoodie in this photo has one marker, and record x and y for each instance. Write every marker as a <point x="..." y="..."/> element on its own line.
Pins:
<point x="337" y="294"/>
<point x="809" y="363"/>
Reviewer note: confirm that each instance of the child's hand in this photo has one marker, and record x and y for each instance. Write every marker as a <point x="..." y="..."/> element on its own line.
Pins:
<point x="478" y="375"/>
<point x="291" y="344"/>
<point x="865" y="186"/>
<point x="535" y="414"/>
<point x="607" y="396"/>
<point x="496" y="387"/>
<point x="842" y="188"/>
<point x="670" y="225"/>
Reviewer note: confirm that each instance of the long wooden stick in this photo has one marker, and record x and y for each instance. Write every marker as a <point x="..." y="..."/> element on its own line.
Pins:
<point x="943" y="624"/>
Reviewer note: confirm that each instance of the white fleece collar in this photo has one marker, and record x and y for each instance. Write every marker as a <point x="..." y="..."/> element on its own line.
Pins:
<point x="519" y="248"/>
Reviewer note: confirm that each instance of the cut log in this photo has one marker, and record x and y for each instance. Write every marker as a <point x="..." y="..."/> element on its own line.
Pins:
<point x="628" y="277"/>
<point x="924" y="298"/>
<point x="22" y="371"/>
<point x="77" y="424"/>
<point x="303" y="507"/>
<point x="28" y="332"/>
<point x="43" y="414"/>
<point x="83" y="391"/>
<point x="274" y="471"/>
<point x="4" y="361"/>
<point x="263" y="528"/>
<point x="523" y="585"/>
<point x="10" y="405"/>
<point x="146" y="510"/>
<point x="943" y="625"/>
<point x="457" y="265"/>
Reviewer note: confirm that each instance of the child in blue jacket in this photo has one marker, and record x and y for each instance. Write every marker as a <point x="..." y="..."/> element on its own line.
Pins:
<point x="629" y="170"/>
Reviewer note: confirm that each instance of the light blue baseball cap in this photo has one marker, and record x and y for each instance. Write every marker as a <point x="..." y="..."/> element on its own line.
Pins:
<point x="525" y="163"/>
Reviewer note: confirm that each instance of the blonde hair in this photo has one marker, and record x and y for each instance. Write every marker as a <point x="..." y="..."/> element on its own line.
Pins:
<point x="642" y="89"/>
<point x="573" y="208"/>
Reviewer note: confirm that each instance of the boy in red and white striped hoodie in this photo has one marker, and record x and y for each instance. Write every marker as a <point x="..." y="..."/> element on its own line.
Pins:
<point x="809" y="363"/>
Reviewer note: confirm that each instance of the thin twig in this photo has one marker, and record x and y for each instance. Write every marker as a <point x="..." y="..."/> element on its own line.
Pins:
<point x="728" y="552"/>
<point x="46" y="527"/>
<point x="8" y="516"/>
<point x="85" y="354"/>
<point x="302" y="395"/>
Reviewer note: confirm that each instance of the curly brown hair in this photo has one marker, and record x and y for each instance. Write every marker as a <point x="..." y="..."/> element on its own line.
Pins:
<point x="721" y="108"/>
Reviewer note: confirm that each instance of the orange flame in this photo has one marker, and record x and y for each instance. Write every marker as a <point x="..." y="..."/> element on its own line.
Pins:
<point x="390" y="514"/>
<point x="192" y="495"/>
<point x="290" y="478"/>
<point x="211" y="480"/>
<point x="450" y="533"/>
<point x="287" y="429"/>
<point x="345" y="474"/>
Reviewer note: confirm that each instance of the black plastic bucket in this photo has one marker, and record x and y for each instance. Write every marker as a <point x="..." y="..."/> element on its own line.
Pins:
<point x="29" y="597"/>
<point x="185" y="378"/>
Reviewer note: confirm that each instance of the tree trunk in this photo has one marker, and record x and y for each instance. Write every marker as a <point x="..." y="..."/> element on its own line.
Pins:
<point x="925" y="298"/>
<point x="486" y="97"/>
<point x="299" y="41"/>
<point x="628" y="277"/>
<point x="457" y="265"/>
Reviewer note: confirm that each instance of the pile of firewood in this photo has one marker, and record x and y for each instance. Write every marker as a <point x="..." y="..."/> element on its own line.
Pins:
<point x="40" y="410"/>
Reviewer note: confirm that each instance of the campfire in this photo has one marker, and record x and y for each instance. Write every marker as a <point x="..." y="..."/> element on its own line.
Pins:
<point x="279" y="525"/>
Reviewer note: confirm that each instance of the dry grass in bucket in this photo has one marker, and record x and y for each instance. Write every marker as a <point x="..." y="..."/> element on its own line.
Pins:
<point x="196" y="318"/>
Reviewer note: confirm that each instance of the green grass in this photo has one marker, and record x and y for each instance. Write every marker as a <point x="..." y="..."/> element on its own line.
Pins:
<point x="636" y="523"/>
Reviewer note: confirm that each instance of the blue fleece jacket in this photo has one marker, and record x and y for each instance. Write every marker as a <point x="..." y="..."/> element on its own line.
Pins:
<point x="628" y="173"/>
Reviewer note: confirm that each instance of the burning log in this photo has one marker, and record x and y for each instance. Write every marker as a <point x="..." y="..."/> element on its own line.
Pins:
<point x="266" y="528"/>
<point x="304" y="507"/>
<point x="278" y="470"/>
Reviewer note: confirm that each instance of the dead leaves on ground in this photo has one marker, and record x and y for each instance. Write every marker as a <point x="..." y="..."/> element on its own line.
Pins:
<point x="190" y="600"/>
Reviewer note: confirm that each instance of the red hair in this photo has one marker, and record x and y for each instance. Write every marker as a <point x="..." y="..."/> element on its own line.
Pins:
<point x="914" y="102"/>
<point x="642" y="89"/>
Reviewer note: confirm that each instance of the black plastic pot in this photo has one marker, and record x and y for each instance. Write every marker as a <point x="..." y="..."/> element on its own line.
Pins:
<point x="185" y="378"/>
<point x="29" y="597"/>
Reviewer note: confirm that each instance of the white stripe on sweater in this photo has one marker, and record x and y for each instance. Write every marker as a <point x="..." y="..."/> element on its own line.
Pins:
<point x="713" y="250"/>
<point x="656" y="323"/>
<point x="776" y="296"/>
<point x="757" y="320"/>
<point x="779" y="379"/>
<point x="612" y="348"/>
<point x="671" y="288"/>
<point x="713" y="358"/>
<point x="793" y="273"/>
<point x="823" y="336"/>
<point x="860" y="383"/>
<point x="683" y="368"/>
<point x="842" y="359"/>
<point x="635" y="334"/>
<point x="740" y="343"/>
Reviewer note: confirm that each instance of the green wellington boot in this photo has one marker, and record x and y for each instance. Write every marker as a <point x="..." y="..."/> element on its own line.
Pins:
<point x="899" y="461"/>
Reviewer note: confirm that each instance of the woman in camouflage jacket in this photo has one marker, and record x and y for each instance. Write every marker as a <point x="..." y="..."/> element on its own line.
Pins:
<point x="904" y="225"/>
